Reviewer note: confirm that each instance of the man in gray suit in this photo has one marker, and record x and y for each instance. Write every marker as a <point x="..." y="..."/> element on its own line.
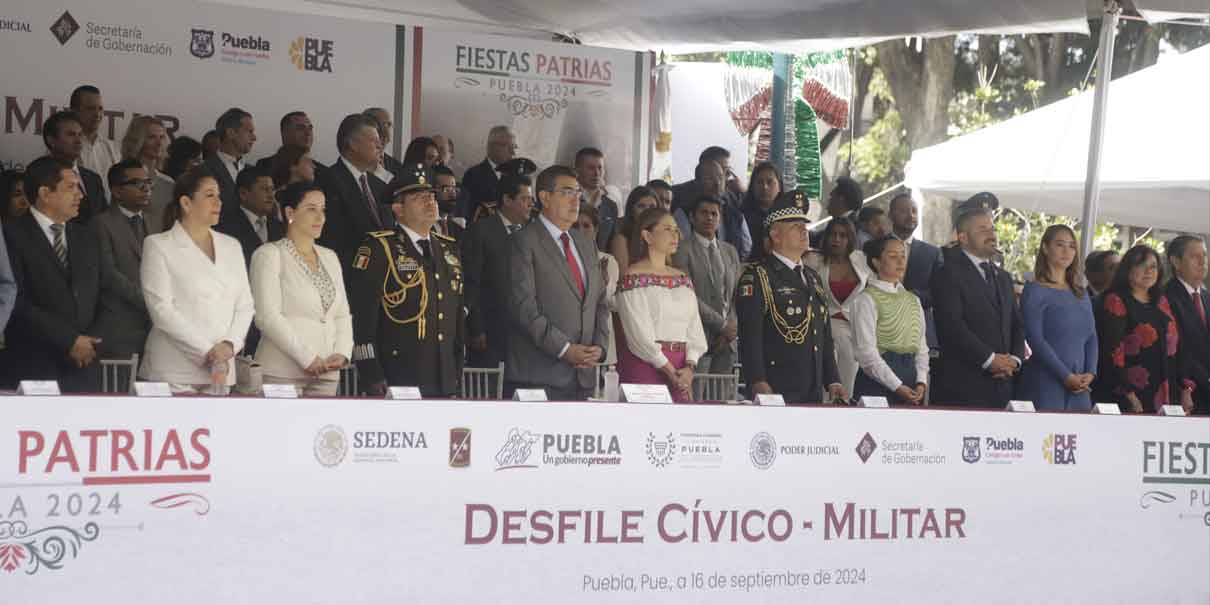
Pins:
<point x="122" y="320"/>
<point x="557" y="300"/>
<point x="714" y="267"/>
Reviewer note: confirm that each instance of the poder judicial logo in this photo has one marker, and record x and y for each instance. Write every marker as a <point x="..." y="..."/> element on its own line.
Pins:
<point x="557" y="449"/>
<point x="1059" y="448"/>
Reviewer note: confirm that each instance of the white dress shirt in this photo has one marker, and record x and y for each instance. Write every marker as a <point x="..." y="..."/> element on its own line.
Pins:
<point x="231" y="163"/>
<point x="865" y="339"/>
<point x="99" y="156"/>
<point x="45" y="222"/>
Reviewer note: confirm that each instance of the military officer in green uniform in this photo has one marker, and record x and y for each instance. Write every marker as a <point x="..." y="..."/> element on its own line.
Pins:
<point x="406" y="297"/>
<point x="785" y="338"/>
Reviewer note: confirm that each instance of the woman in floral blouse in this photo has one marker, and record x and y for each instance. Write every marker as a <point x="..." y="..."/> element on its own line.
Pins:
<point x="1140" y="358"/>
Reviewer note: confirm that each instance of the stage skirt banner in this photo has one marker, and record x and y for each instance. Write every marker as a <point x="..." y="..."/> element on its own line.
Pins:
<point x="187" y="62"/>
<point x="558" y="98"/>
<point x="202" y="501"/>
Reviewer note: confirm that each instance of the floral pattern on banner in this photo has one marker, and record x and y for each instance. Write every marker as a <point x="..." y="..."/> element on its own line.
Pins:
<point x="646" y="280"/>
<point x="46" y="548"/>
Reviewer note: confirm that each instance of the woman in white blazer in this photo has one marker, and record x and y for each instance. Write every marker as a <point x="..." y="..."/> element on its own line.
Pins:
<point x="844" y="272"/>
<point x="301" y="307"/>
<point x="197" y="293"/>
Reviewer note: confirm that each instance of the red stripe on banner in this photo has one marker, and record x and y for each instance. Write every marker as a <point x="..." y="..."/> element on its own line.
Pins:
<point x="151" y="479"/>
<point x="417" y="55"/>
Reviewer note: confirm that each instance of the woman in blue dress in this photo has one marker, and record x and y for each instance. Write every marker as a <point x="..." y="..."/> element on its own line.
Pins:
<point x="1059" y="327"/>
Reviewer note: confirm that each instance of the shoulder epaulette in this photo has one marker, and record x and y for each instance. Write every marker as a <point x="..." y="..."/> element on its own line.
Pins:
<point x="444" y="237"/>
<point x="381" y="234"/>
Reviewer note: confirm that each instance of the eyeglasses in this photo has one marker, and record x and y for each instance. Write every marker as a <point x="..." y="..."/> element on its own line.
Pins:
<point x="569" y="191"/>
<point x="140" y="183"/>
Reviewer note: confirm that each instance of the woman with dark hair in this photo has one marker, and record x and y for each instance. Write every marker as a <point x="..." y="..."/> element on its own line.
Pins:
<point x="12" y="188"/>
<point x="1140" y="361"/>
<point x="844" y="273"/>
<point x="184" y="154"/>
<point x="657" y="309"/>
<point x="889" y="343"/>
<point x="763" y="189"/>
<point x="422" y="150"/>
<point x="196" y="288"/>
<point x="639" y="200"/>
<point x="291" y="164"/>
<point x="301" y="307"/>
<point x="1059" y="327"/>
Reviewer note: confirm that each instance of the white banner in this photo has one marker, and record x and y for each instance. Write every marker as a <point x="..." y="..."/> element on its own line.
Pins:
<point x="558" y="98"/>
<point x="187" y="62"/>
<point x="117" y="500"/>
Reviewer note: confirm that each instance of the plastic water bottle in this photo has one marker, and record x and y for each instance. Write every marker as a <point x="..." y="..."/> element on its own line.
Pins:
<point x="611" y="386"/>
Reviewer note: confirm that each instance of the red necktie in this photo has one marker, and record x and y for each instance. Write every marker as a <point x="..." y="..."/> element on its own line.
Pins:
<point x="1201" y="308"/>
<point x="571" y="263"/>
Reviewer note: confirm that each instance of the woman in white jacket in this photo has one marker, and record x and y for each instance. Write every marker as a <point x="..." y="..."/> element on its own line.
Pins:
<point x="301" y="307"/>
<point x="844" y="273"/>
<point x="196" y="288"/>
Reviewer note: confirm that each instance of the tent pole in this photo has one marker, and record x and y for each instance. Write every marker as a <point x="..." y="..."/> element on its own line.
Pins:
<point x="781" y="84"/>
<point x="1096" y="142"/>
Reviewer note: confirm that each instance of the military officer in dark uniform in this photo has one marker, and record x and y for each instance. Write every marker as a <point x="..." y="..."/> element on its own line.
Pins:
<point x="785" y="338"/>
<point x="406" y="297"/>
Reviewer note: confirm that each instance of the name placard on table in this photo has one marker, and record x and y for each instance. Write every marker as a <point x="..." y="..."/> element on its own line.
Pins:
<point x="279" y="391"/>
<point x="646" y="393"/>
<point x="152" y="389"/>
<point x="529" y="395"/>
<point x="773" y="399"/>
<point x="404" y="393"/>
<point x="38" y="387"/>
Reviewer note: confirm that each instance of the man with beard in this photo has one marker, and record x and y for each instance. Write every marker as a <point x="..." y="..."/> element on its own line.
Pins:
<point x="445" y="185"/>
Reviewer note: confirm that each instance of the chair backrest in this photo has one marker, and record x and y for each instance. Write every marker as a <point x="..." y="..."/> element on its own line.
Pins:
<point x="716" y="387"/>
<point x="482" y="383"/>
<point x="119" y="375"/>
<point x="348" y="382"/>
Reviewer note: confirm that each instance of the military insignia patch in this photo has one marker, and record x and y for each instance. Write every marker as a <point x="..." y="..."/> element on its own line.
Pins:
<point x="405" y="263"/>
<point x="452" y="259"/>
<point x="745" y="290"/>
<point x="362" y="260"/>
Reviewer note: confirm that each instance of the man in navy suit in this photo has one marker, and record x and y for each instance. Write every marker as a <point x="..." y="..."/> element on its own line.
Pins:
<point x="479" y="181"/>
<point x="255" y="223"/>
<point x="236" y="135"/>
<point x="979" y="327"/>
<point x="354" y="195"/>
<point x="64" y="139"/>
<point x="923" y="258"/>
<point x="56" y="263"/>
<point x="1191" y="306"/>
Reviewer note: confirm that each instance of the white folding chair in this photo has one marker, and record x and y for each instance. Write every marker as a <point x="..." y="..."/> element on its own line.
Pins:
<point x="483" y="383"/>
<point x="119" y="375"/>
<point x="716" y="387"/>
<point x="348" y="382"/>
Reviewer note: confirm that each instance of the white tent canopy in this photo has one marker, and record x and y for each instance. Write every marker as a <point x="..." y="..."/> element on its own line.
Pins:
<point x="1156" y="166"/>
<point x="711" y="25"/>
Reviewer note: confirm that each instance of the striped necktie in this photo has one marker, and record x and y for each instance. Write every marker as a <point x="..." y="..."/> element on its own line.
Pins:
<point x="59" y="245"/>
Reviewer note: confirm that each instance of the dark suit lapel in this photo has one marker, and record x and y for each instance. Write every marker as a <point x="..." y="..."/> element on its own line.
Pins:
<point x="976" y="276"/>
<point x="43" y="245"/>
<point x="556" y="252"/>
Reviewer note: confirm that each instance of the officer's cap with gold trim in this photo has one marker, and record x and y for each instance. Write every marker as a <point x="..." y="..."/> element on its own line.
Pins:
<point x="797" y="198"/>
<point x="978" y="202"/>
<point x="785" y="210"/>
<point x="411" y="179"/>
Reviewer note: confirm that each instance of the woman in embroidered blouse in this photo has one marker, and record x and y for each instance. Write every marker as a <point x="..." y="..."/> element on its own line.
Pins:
<point x="661" y="328"/>
<point x="301" y="308"/>
<point x="844" y="275"/>
<point x="1142" y="366"/>
<point x="888" y="329"/>
<point x="1059" y="327"/>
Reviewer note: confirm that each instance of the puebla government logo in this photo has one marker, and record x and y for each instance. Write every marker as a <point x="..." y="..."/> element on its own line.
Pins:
<point x="970" y="450"/>
<point x="331" y="445"/>
<point x="201" y="44"/>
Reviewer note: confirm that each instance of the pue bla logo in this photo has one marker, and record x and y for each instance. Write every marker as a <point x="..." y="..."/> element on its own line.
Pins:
<point x="1058" y="448"/>
<point x="311" y="54"/>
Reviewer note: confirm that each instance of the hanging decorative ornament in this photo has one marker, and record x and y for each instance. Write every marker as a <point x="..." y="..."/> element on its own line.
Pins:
<point x="827" y="86"/>
<point x="809" y="169"/>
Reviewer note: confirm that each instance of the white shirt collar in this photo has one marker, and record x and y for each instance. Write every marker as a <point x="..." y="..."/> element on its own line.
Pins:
<point x="701" y="239"/>
<point x="1190" y="289"/>
<point x="885" y="286"/>
<point x="412" y="235"/>
<point x="357" y="174"/>
<point x="126" y="213"/>
<point x="553" y="229"/>
<point x="229" y="159"/>
<point x="253" y="217"/>
<point x="787" y="262"/>
<point x="504" y="219"/>
<point x="44" y="222"/>
<point x="492" y="164"/>
<point x="383" y="174"/>
<point x="975" y="259"/>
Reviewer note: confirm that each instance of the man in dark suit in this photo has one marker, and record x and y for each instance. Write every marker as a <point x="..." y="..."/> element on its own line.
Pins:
<point x="1190" y="304"/>
<point x="64" y="139"/>
<point x="122" y="320"/>
<point x="255" y="223"/>
<point x="709" y="179"/>
<point x="714" y="267"/>
<point x="445" y="185"/>
<point x="382" y="118"/>
<point x="236" y="134"/>
<point x="1099" y="268"/>
<point x="558" y="329"/>
<point x="590" y="170"/>
<point x="923" y="258"/>
<point x="352" y="191"/>
<point x="479" y="181"/>
<point x="58" y="272"/>
<point x="485" y="261"/>
<point x="980" y="329"/>
<point x="297" y="130"/>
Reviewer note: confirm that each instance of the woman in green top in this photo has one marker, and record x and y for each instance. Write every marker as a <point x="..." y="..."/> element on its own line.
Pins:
<point x="888" y="329"/>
